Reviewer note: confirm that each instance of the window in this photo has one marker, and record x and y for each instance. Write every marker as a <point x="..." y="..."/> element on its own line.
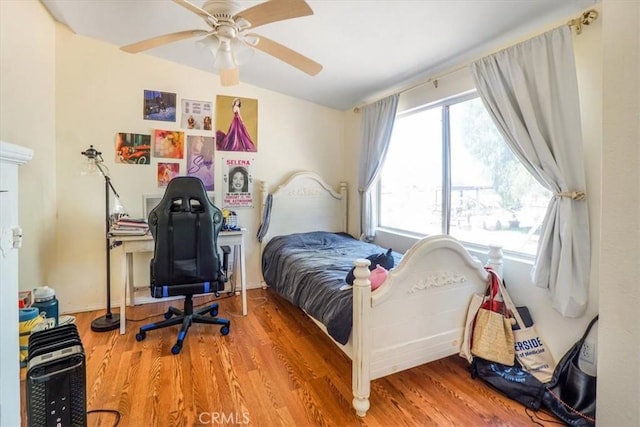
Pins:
<point x="448" y="170"/>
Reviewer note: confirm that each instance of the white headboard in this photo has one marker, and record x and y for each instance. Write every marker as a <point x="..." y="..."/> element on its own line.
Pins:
<point x="304" y="202"/>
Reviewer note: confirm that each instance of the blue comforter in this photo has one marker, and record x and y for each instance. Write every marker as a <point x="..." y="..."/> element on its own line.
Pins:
<point x="309" y="270"/>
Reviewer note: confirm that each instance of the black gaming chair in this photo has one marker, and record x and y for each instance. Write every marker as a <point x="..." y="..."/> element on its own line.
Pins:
<point x="186" y="261"/>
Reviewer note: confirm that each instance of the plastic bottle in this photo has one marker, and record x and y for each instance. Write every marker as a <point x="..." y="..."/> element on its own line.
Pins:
<point x="45" y="300"/>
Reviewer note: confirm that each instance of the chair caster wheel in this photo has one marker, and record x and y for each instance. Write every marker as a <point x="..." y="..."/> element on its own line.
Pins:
<point x="141" y="335"/>
<point x="224" y="330"/>
<point x="213" y="312"/>
<point x="176" y="349"/>
<point x="168" y="315"/>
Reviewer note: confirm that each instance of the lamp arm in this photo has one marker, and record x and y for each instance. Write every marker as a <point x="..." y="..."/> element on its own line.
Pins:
<point x="107" y="178"/>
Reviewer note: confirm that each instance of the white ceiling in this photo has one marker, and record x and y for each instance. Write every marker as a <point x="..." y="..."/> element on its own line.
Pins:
<point x="368" y="48"/>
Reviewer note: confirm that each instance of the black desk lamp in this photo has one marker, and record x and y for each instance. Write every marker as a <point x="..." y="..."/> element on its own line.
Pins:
<point x="109" y="321"/>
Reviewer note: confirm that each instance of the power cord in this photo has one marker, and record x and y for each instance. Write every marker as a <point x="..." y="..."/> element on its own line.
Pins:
<point x="534" y="417"/>
<point x="107" y="411"/>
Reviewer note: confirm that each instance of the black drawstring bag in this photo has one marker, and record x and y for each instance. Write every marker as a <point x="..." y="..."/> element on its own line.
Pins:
<point x="512" y="381"/>
<point x="571" y="393"/>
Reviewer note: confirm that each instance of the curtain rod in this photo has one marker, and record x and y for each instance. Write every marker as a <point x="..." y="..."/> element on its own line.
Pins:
<point x="585" y="19"/>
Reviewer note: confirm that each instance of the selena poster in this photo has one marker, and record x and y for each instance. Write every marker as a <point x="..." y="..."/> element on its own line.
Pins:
<point x="159" y="106"/>
<point x="236" y="124"/>
<point x="200" y="159"/>
<point x="133" y="148"/>
<point x="168" y="144"/>
<point x="166" y="172"/>
<point x="196" y="114"/>
<point x="238" y="185"/>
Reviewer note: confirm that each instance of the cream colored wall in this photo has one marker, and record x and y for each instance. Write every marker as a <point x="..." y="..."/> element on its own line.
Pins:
<point x="99" y="93"/>
<point x="619" y="337"/>
<point x="27" y="118"/>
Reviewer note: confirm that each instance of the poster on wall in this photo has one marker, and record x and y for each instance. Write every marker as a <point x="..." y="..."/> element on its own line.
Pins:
<point x="133" y="148"/>
<point x="236" y="124"/>
<point x="168" y="144"/>
<point x="200" y="159"/>
<point x="166" y="172"/>
<point x="237" y="186"/>
<point x="196" y="114"/>
<point x="159" y="106"/>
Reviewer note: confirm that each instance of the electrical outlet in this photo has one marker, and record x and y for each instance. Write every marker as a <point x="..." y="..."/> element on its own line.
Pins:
<point x="588" y="352"/>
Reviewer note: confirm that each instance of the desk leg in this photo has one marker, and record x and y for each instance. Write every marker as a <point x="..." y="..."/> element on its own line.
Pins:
<point x="126" y="291"/>
<point x="236" y="269"/>
<point x="131" y="300"/>
<point x="243" y="279"/>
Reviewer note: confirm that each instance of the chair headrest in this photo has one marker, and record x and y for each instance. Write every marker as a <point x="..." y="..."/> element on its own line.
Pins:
<point x="185" y="186"/>
<point x="183" y="194"/>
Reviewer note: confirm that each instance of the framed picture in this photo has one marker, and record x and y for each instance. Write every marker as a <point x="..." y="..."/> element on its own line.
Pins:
<point x="150" y="201"/>
<point x="159" y="106"/>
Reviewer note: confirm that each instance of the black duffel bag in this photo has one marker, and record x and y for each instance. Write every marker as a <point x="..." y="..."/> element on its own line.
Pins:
<point x="571" y="393"/>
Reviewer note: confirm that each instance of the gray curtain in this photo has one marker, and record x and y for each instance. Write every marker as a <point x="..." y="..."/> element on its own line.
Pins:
<point x="531" y="91"/>
<point x="377" y="125"/>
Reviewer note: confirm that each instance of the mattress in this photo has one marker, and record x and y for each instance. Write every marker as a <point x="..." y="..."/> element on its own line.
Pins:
<point x="309" y="270"/>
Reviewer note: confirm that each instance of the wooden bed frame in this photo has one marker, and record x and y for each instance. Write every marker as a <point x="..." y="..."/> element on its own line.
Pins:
<point x="416" y="316"/>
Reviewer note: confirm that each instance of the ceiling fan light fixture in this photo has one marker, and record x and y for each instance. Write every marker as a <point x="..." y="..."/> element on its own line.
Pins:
<point x="242" y="52"/>
<point x="224" y="58"/>
<point x="209" y="43"/>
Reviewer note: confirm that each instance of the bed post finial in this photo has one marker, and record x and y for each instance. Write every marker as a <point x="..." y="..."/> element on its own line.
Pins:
<point x="495" y="259"/>
<point x="264" y="191"/>
<point x="361" y="334"/>
<point x="344" y="205"/>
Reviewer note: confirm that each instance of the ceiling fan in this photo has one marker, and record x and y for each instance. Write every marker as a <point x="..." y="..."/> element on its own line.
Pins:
<point x="229" y="39"/>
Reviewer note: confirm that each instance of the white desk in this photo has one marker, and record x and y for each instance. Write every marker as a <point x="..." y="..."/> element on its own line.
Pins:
<point x="133" y="244"/>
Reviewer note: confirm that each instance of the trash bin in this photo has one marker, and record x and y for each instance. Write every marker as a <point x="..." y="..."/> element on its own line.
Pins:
<point x="29" y="318"/>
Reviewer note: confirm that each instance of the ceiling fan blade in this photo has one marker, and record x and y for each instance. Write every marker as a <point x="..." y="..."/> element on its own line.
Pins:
<point x="161" y="40"/>
<point x="287" y="55"/>
<point x="197" y="10"/>
<point x="229" y="76"/>
<point x="274" y="10"/>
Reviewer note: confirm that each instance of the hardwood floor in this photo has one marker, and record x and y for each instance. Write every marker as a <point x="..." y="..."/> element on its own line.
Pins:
<point x="274" y="368"/>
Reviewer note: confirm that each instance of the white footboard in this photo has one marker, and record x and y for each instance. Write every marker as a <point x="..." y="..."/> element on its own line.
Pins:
<point x="416" y="316"/>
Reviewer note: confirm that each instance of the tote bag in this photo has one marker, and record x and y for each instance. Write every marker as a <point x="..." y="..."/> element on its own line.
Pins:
<point x="492" y="337"/>
<point x="530" y="349"/>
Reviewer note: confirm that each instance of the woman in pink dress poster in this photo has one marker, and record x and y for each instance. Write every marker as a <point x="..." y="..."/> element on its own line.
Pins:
<point x="238" y="137"/>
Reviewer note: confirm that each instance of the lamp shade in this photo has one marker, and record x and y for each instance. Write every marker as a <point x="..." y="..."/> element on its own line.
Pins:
<point x="88" y="167"/>
<point x="209" y="43"/>
<point x="242" y="52"/>
<point x="224" y="59"/>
